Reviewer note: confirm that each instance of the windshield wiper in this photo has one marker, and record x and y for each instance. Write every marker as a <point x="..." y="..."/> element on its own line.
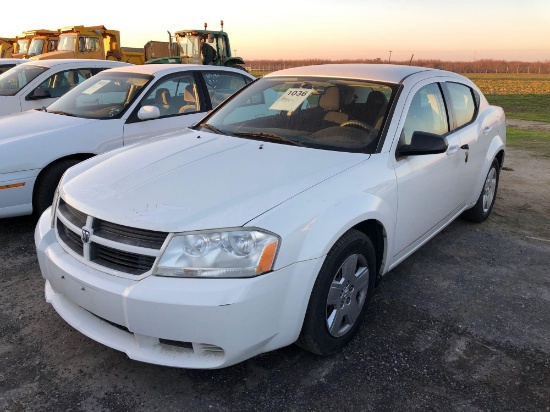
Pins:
<point x="63" y="113"/>
<point x="269" y="136"/>
<point x="210" y="127"/>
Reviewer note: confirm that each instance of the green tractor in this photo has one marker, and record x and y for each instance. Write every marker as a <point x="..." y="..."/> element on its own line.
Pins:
<point x="200" y="47"/>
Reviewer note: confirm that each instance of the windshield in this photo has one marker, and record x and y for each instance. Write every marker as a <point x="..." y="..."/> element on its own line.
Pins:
<point x="18" y="77"/>
<point x="189" y="46"/>
<point x="66" y="42"/>
<point x="37" y="46"/>
<point x="5" y="67"/>
<point x="103" y="96"/>
<point x="332" y="114"/>
<point x="23" y="46"/>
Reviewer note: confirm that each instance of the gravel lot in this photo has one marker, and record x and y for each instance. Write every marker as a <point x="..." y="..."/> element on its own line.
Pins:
<point x="462" y="325"/>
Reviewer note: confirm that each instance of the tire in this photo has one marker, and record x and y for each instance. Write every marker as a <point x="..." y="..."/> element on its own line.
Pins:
<point x="45" y="185"/>
<point x="340" y="296"/>
<point x="484" y="205"/>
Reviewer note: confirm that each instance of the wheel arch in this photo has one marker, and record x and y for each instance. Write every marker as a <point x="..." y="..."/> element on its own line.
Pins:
<point x="376" y="232"/>
<point x="77" y="156"/>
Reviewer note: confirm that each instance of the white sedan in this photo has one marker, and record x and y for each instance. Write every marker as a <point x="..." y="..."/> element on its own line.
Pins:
<point x="115" y="108"/>
<point x="270" y="221"/>
<point x="37" y="84"/>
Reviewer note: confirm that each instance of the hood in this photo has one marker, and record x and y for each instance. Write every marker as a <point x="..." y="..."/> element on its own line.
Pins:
<point x="24" y="135"/>
<point x="187" y="182"/>
<point x="59" y="54"/>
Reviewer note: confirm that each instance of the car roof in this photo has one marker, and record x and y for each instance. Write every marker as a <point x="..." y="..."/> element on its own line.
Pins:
<point x="390" y="73"/>
<point x="5" y="61"/>
<point x="77" y="62"/>
<point x="162" y="69"/>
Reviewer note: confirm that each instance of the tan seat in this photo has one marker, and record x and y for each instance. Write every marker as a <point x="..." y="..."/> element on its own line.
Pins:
<point x="162" y="101"/>
<point x="331" y="102"/>
<point x="190" y="101"/>
<point x="375" y="108"/>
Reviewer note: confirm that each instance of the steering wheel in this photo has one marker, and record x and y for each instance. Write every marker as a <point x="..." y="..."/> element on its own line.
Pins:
<point x="359" y="125"/>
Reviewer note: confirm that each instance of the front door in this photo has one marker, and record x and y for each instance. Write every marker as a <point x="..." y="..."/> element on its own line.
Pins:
<point x="428" y="185"/>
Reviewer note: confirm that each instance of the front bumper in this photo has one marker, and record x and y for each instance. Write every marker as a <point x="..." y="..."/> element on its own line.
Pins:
<point x="191" y="323"/>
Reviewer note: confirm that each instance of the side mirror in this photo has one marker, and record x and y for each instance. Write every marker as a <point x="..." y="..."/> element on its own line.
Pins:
<point x="148" y="113"/>
<point x="38" y="94"/>
<point x="424" y="143"/>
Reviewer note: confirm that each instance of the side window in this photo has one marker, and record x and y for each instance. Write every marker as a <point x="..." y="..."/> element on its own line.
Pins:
<point x="88" y="44"/>
<point x="60" y="83"/>
<point x="426" y="113"/>
<point x="174" y="95"/>
<point x="52" y="45"/>
<point x="222" y="85"/>
<point x="462" y="102"/>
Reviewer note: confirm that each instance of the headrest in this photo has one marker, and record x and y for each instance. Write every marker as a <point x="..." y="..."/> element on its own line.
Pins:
<point x="188" y="94"/>
<point x="330" y="100"/>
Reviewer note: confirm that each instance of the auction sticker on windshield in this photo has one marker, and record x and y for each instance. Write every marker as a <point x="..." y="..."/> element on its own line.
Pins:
<point x="96" y="86"/>
<point x="291" y="99"/>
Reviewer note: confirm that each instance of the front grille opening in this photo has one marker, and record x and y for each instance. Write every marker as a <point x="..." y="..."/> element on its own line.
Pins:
<point x="74" y="216"/>
<point x="128" y="235"/>
<point x="132" y="263"/>
<point x="70" y="238"/>
<point x="179" y="344"/>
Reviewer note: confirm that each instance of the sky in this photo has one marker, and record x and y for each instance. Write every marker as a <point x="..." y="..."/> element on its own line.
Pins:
<point x="462" y="30"/>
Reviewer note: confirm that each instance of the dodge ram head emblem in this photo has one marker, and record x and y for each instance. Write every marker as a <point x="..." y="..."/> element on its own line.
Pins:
<point x="85" y="235"/>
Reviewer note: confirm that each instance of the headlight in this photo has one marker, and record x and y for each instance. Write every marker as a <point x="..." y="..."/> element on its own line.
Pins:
<point x="53" y="211"/>
<point x="228" y="253"/>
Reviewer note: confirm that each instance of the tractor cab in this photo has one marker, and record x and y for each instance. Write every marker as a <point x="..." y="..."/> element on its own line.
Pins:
<point x="191" y="42"/>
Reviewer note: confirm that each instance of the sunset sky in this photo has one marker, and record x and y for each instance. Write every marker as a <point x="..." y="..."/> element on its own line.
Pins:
<point x="363" y="29"/>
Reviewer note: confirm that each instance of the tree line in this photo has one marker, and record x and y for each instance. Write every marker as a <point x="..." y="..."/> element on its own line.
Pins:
<point x="478" y="66"/>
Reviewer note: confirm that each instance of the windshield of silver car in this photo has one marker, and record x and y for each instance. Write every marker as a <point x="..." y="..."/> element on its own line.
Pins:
<point x="104" y="96"/>
<point x="324" y="113"/>
<point x="15" y="79"/>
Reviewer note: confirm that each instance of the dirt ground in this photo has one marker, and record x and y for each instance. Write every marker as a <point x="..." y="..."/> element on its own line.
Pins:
<point x="528" y="124"/>
<point x="462" y="325"/>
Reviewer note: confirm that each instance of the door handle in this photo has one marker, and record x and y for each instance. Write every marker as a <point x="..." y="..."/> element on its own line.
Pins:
<point x="452" y="150"/>
<point x="487" y="129"/>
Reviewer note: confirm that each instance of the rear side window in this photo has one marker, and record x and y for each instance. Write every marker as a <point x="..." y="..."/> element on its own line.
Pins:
<point x="462" y="101"/>
<point x="222" y="85"/>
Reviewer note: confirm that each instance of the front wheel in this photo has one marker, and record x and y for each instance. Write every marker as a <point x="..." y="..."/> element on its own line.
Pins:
<point x="484" y="205"/>
<point x="340" y="296"/>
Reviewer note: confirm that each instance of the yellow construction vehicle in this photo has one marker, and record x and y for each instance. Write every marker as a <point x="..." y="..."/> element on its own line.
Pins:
<point x="92" y="42"/>
<point x="7" y="47"/>
<point x="35" y="42"/>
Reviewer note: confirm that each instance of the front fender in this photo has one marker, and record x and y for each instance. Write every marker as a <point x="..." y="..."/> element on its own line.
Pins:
<point x="311" y="223"/>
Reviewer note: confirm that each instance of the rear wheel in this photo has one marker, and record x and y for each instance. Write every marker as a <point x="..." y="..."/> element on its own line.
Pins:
<point x="340" y="296"/>
<point x="484" y="205"/>
<point x="45" y="185"/>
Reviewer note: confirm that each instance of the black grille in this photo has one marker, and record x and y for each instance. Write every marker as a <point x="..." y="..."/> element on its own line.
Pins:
<point x="109" y="257"/>
<point x="70" y="238"/>
<point x="74" y="216"/>
<point x="129" y="235"/>
<point x="127" y="262"/>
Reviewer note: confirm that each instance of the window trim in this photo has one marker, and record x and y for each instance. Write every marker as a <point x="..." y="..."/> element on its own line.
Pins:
<point x="133" y="118"/>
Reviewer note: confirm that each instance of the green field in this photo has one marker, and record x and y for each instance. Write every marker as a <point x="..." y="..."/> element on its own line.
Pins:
<point x="522" y="96"/>
<point x="533" y="140"/>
